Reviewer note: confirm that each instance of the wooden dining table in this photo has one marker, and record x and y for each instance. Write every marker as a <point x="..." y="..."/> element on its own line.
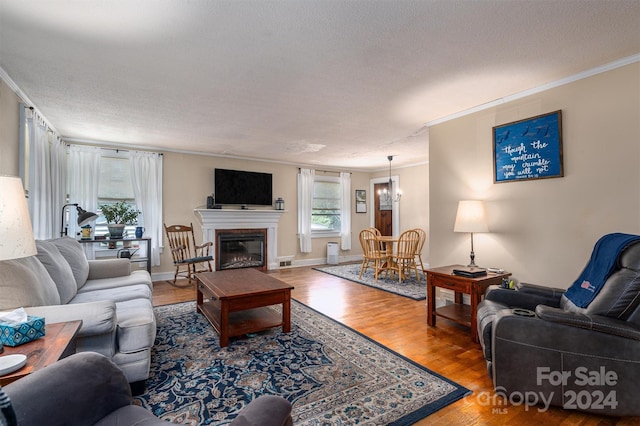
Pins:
<point x="388" y="240"/>
<point x="389" y="243"/>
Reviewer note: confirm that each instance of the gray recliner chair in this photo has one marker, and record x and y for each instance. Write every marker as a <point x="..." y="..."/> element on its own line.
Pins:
<point x="89" y="389"/>
<point x="543" y="348"/>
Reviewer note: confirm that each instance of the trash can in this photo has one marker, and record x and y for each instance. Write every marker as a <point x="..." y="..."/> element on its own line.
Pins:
<point x="332" y="253"/>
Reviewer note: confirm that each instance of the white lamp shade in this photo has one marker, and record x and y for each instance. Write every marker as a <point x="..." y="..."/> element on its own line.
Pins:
<point x="16" y="234"/>
<point x="471" y="217"/>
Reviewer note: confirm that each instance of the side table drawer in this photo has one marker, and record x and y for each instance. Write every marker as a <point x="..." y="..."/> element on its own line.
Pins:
<point x="460" y="287"/>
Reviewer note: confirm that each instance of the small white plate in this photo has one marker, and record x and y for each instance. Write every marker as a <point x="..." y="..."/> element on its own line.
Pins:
<point x="11" y="363"/>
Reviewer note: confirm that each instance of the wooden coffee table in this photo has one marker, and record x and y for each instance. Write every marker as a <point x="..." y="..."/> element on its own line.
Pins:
<point x="235" y="301"/>
<point x="57" y="343"/>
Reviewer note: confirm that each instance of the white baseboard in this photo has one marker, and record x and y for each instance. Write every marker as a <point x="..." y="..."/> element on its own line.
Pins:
<point x="162" y="276"/>
<point x="446" y="297"/>
<point x="323" y="261"/>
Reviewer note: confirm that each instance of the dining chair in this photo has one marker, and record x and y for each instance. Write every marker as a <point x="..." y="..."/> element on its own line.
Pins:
<point x="404" y="258"/>
<point x="423" y="237"/>
<point x="384" y="248"/>
<point x="372" y="254"/>
<point x="375" y="230"/>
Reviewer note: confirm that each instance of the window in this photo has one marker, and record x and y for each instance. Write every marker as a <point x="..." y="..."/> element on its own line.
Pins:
<point x="114" y="185"/>
<point x="326" y="207"/>
<point x="115" y="179"/>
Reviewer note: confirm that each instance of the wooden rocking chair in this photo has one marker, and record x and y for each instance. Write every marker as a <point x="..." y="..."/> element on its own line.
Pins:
<point x="185" y="252"/>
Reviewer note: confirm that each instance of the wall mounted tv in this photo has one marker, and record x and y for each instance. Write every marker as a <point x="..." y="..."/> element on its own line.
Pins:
<point x="244" y="188"/>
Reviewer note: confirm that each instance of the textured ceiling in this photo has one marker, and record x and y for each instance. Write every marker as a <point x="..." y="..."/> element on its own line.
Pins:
<point x="325" y="83"/>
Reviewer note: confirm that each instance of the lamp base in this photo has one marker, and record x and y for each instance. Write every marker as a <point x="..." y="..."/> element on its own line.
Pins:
<point x="472" y="256"/>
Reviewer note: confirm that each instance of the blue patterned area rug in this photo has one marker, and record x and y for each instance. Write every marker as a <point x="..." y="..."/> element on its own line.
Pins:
<point x="410" y="287"/>
<point x="332" y="374"/>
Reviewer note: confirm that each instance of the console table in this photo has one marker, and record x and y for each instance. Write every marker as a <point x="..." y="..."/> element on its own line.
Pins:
<point x="119" y="243"/>
<point x="458" y="312"/>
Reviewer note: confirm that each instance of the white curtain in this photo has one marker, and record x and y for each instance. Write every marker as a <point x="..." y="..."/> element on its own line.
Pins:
<point x="305" y="202"/>
<point x="47" y="177"/>
<point x="83" y="177"/>
<point x="146" y="176"/>
<point x="58" y="181"/>
<point x="345" y="227"/>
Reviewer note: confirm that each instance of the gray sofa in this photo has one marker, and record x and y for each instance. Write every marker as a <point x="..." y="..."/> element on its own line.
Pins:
<point x="114" y="303"/>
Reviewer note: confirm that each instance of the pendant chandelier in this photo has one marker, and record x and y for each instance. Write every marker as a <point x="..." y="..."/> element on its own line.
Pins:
<point x="386" y="194"/>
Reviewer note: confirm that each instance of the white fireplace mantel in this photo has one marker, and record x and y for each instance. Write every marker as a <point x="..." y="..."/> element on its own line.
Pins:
<point x="212" y="219"/>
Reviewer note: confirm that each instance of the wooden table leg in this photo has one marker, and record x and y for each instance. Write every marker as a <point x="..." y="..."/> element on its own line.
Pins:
<point x="475" y="298"/>
<point x="431" y="302"/>
<point x="286" y="313"/>
<point x="224" y="323"/>
<point x="199" y="298"/>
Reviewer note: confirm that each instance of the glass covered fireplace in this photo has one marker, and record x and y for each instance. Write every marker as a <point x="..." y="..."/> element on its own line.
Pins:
<point x="241" y="248"/>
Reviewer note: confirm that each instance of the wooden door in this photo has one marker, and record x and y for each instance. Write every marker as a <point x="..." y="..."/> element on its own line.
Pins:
<point x="383" y="213"/>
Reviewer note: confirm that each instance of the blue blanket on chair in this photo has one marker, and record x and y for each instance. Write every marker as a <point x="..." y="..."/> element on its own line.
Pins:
<point x="601" y="265"/>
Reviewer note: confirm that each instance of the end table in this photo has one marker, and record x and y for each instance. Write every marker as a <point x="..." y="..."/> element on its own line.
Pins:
<point x="458" y="312"/>
<point x="57" y="343"/>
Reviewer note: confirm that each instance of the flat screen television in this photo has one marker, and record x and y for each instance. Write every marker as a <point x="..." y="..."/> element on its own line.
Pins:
<point x="244" y="188"/>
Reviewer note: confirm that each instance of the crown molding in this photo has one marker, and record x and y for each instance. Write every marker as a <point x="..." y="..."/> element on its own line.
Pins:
<point x="588" y="73"/>
<point x="25" y="99"/>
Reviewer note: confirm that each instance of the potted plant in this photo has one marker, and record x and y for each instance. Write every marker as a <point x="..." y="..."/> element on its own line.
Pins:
<point x="119" y="215"/>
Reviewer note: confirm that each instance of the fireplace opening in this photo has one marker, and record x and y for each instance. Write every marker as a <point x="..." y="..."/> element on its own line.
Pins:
<point x="241" y="248"/>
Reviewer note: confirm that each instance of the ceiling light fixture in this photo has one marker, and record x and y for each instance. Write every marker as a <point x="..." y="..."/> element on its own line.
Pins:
<point x="385" y="194"/>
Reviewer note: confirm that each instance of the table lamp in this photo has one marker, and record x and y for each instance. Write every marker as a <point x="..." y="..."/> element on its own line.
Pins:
<point x="471" y="217"/>
<point x="16" y="234"/>
<point x="84" y="217"/>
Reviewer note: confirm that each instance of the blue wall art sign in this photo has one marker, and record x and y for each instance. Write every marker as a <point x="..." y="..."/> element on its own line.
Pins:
<point x="528" y="149"/>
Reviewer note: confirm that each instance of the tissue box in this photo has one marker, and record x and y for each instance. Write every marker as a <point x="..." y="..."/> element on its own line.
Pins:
<point x="12" y="334"/>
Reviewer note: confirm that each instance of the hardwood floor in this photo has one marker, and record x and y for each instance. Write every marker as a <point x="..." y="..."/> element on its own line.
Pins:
<point x="400" y="324"/>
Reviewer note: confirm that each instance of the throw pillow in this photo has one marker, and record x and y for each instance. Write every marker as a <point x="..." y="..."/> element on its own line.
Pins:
<point x="25" y="282"/>
<point x="59" y="269"/>
<point x="74" y="255"/>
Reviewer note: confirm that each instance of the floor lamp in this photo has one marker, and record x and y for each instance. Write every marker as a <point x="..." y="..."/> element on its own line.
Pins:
<point x="84" y="217"/>
<point x="471" y="217"/>
<point x="16" y="234"/>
